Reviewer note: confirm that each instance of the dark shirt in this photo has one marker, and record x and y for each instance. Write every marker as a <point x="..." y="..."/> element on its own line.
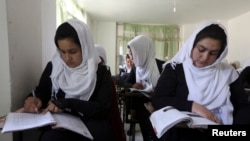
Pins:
<point x="131" y="79"/>
<point x="95" y="112"/>
<point x="137" y="104"/>
<point x="245" y="77"/>
<point x="172" y="90"/>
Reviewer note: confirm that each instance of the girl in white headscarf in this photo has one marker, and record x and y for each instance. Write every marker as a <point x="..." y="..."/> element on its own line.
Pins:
<point x="102" y="53"/>
<point x="76" y="83"/>
<point x="143" y="76"/>
<point x="143" y="56"/>
<point x="197" y="80"/>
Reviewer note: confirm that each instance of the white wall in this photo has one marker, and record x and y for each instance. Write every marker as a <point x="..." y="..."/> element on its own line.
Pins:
<point x="106" y="36"/>
<point x="31" y="30"/>
<point x="48" y="29"/>
<point x="104" y="33"/>
<point x="239" y="39"/>
<point x="187" y="29"/>
<point x="5" y="70"/>
<point x="26" y="44"/>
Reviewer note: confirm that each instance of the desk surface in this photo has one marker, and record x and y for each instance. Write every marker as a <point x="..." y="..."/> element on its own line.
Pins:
<point x="247" y="90"/>
<point x="135" y="94"/>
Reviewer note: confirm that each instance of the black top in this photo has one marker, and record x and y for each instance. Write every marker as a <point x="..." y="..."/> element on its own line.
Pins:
<point x="131" y="79"/>
<point x="94" y="112"/>
<point x="172" y="90"/>
<point x="245" y="76"/>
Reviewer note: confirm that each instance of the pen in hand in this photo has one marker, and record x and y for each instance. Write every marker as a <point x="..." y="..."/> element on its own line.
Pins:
<point x="34" y="96"/>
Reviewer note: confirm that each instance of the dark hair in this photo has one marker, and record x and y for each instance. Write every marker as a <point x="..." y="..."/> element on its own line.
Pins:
<point x="65" y="30"/>
<point x="213" y="31"/>
<point x="127" y="56"/>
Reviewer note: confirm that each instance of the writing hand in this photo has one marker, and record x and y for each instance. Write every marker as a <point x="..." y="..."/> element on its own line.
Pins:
<point x="32" y="105"/>
<point x="52" y="108"/>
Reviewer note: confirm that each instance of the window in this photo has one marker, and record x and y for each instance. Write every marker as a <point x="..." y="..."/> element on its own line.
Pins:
<point x="165" y="38"/>
<point x="67" y="9"/>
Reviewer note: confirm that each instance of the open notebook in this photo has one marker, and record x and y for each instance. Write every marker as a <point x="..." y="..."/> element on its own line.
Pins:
<point x="23" y="121"/>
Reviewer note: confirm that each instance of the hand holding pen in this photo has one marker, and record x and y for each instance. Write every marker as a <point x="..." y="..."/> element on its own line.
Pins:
<point x="32" y="104"/>
<point x="35" y="101"/>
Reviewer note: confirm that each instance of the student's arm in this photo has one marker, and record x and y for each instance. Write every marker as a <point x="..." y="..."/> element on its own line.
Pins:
<point x="240" y="103"/>
<point x="171" y="89"/>
<point x="42" y="93"/>
<point x="43" y="90"/>
<point x="245" y="76"/>
<point x="159" y="64"/>
<point x="238" y="95"/>
<point x="100" y="102"/>
<point x="131" y="79"/>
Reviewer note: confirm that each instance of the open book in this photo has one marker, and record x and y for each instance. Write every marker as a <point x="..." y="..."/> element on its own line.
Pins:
<point x="23" y="121"/>
<point x="165" y="118"/>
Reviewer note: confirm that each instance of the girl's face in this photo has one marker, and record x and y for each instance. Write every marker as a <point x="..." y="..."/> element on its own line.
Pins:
<point x="129" y="62"/>
<point x="130" y="53"/>
<point x="205" y="52"/>
<point x="70" y="52"/>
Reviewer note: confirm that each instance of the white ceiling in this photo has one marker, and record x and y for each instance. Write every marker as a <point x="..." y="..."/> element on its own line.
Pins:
<point x="161" y="11"/>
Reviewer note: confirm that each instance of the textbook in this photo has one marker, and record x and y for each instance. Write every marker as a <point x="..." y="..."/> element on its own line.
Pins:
<point x="165" y="118"/>
<point x="23" y="121"/>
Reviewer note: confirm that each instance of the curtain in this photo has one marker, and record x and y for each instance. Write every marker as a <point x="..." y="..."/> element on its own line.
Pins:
<point x="67" y="9"/>
<point x="165" y="38"/>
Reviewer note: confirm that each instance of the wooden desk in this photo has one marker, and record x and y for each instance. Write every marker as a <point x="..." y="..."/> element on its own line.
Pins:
<point x="129" y="112"/>
<point x="132" y="94"/>
<point x="129" y="115"/>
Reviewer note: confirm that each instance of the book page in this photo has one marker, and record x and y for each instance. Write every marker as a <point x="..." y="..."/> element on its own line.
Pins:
<point x="165" y="118"/>
<point x="72" y="123"/>
<point x="23" y="121"/>
<point x="198" y="121"/>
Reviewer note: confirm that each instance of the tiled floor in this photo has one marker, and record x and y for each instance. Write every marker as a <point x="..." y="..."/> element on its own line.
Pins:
<point x="138" y="136"/>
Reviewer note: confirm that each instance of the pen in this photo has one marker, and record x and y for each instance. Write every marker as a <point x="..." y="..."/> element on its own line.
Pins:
<point x="33" y="93"/>
<point x="34" y="96"/>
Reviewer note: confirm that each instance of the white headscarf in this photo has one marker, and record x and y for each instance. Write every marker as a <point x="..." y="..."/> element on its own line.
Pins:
<point x="208" y="86"/>
<point x="77" y="82"/>
<point x="147" y="72"/>
<point x="101" y="52"/>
